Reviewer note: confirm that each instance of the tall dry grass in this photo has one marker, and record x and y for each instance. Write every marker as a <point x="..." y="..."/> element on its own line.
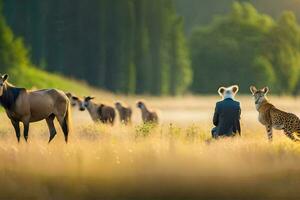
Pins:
<point x="170" y="161"/>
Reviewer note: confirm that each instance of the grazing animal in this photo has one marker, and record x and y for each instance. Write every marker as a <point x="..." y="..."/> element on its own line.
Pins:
<point x="147" y="115"/>
<point x="227" y="113"/>
<point x="124" y="113"/>
<point x="74" y="100"/>
<point x="271" y="117"/>
<point x="26" y="106"/>
<point x="99" y="112"/>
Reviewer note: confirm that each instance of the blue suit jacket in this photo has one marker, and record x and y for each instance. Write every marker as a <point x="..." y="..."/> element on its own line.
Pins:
<point x="227" y="117"/>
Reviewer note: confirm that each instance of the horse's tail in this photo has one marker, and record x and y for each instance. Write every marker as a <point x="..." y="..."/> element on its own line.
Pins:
<point x="67" y="124"/>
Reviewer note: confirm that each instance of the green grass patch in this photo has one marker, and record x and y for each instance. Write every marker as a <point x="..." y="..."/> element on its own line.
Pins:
<point x="30" y="77"/>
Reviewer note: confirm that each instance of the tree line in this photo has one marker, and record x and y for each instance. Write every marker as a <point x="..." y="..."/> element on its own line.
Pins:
<point x="126" y="46"/>
<point x="246" y="47"/>
<point x="202" y="12"/>
<point x="139" y="46"/>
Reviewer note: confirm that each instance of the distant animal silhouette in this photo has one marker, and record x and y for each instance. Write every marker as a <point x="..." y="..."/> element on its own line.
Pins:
<point x="147" y="115"/>
<point x="26" y="106"/>
<point x="271" y="117"/>
<point x="98" y="112"/>
<point x="124" y="113"/>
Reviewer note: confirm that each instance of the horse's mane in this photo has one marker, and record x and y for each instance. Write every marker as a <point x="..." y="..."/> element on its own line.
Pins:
<point x="10" y="95"/>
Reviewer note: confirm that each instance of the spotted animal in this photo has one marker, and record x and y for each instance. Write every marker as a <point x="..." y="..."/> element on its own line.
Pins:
<point x="271" y="117"/>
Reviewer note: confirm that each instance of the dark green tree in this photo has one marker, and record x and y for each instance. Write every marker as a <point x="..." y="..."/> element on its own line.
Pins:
<point x="180" y="73"/>
<point x="125" y="46"/>
<point x="282" y="49"/>
<point x="13" y="53"/>
<point x="227" y="51"/>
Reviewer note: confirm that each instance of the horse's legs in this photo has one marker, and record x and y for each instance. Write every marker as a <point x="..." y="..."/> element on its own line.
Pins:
<point x="64" y="125"/>
<point x="26" y="121"/>
<point x="51" y="127"/>
<point x="26" y="129"/>
<point x="16" y="126"/>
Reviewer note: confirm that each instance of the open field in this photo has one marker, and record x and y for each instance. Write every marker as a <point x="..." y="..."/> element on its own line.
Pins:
<point x="171" y="161"/>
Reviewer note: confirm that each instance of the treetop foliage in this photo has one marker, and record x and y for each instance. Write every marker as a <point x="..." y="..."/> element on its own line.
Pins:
<point x="126" y="46"/>
<point x="139" y="46"/>
<point x="246" y="47"/>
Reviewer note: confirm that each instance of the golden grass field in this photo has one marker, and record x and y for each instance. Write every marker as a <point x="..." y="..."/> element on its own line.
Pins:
<point x="171" y="161"/>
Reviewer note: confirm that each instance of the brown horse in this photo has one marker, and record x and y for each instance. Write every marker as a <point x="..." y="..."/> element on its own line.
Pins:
<point x="26" y="106"/>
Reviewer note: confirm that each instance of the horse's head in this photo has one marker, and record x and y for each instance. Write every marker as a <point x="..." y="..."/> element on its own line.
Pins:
<point x="228" y="92"/>
<point x="259" y="95"/>
<point x="85" y="103"/>
<point x="3" y="80"/>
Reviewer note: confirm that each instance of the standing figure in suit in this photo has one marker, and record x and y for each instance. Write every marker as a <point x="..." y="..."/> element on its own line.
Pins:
<point x="227" y="113"/>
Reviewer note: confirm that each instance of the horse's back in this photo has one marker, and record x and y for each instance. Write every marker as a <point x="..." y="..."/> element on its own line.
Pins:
<point x="48" y="95"/>
<point x="47" y="101"/>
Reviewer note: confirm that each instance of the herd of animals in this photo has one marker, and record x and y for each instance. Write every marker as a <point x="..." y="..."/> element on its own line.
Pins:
<point x="107" y="114"/>
<point x="25" y="106"/>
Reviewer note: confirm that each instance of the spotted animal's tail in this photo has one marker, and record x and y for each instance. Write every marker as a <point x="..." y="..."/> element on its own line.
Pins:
<point x="298" y="133"/>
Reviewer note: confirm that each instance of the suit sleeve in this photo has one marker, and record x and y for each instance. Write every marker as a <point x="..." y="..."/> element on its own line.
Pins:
<point x="239" y="125"/>
<point x="216" y="116"/>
